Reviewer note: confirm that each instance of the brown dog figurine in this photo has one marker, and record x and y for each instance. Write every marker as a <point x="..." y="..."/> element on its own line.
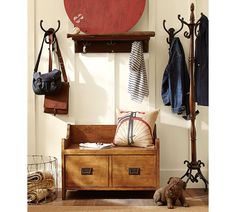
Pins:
<point x="169" y="194"/>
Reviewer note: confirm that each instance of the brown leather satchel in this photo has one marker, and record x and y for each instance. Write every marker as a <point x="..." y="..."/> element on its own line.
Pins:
<point x="57" y="103"/>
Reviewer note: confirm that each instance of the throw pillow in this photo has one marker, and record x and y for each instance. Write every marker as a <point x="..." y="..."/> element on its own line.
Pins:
<point x="135" y="128"/>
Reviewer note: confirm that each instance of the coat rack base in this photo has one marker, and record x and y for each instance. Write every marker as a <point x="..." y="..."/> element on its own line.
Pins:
<point x="195" y="166"/>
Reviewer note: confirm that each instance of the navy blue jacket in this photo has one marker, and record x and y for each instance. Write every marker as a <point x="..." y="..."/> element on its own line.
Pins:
<point x="175" y="82"/>
<point x="201" y="63"/>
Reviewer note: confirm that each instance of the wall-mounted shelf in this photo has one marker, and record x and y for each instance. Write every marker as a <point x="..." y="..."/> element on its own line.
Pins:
<point x="110" y="43"/>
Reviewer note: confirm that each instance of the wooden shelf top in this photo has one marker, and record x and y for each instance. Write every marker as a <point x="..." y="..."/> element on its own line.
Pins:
<point x="110" y="43"/>
<point x="136" y="35"/>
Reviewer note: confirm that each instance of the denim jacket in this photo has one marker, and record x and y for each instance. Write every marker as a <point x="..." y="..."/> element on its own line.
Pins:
<point x="175" y="82"/>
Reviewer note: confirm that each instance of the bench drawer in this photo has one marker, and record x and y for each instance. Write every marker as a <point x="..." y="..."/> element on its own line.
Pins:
<point x="86" y="171"/>
<point x="134" y="171"/>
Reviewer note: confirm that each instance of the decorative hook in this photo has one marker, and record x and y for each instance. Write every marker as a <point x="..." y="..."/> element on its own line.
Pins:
<point x="111" y="43"/>
<point x="58" y="27"/>
<point x="171" y="32"/>
<point x="197" y="25"/>
<point x="196" y="28"/>
<point x="84" y="50"/>
<point x="186" y="34"/>
<point x="182" y="20"/>
<point x="50" y="31"/>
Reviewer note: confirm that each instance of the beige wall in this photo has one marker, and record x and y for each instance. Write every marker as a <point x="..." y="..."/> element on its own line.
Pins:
<point x="98" y="85"/>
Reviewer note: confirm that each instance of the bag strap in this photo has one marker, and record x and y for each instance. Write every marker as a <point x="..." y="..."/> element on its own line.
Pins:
<point x="40" y="52"/>
<point x="50" y="53"/>
<point x="58" y="52"/>
<point x="47" y="33"/>
<point x="52" y="36"/>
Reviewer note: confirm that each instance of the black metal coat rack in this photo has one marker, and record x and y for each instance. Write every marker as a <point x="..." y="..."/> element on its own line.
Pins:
<point x="194" y="165"/>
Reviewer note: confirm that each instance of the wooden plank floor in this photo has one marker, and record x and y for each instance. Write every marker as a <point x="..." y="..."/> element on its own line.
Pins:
<point x="119" y="201"/>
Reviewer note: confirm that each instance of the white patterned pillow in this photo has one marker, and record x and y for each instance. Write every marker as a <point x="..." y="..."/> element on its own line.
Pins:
<point x="135" y="128"/>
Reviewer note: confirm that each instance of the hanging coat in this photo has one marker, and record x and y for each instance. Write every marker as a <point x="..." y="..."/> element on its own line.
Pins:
<point x="201" y="63"/>
<point x="175" y="82"/>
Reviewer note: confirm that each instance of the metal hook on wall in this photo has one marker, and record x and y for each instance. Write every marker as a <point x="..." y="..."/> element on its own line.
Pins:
<point x="58" y="27"/>
<point x="50" y="30"/>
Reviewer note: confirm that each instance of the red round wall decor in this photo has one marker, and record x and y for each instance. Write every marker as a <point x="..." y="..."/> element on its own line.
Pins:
<point x="104" y="16"/>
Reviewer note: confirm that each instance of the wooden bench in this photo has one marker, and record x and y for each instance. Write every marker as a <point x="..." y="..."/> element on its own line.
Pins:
<point x="117" y="168"/>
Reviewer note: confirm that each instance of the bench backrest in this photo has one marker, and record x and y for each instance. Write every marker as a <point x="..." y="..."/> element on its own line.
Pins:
<point x="92" y="133"/>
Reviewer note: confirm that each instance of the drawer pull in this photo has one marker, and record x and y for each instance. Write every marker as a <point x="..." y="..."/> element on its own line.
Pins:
<point x="134" y="171"/>
<point x="86" y="171"/>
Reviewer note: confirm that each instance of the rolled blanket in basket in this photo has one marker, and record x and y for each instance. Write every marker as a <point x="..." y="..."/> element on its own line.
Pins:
<point x="37" y="195"/>
<point x="45" y="184"/>
<point x="41" y="184"/>
<point x="38" y="176"/>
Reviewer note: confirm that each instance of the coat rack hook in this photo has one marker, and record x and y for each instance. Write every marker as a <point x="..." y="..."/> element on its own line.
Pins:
<point x="196" y="28"/>
<point x="164" y="25"/>
<point x="197" y="25"/>
<point x="186" y="33"/>
<point x="171" y="32"/>
<point x="182" y="20"/>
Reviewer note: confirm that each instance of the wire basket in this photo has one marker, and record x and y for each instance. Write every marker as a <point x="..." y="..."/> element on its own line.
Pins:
<point x="42" y="179"/>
